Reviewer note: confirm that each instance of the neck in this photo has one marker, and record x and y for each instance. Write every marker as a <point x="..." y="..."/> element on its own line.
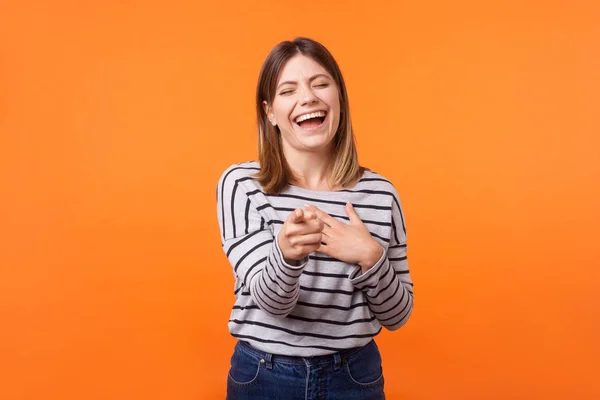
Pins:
<point x="310" y="169"/>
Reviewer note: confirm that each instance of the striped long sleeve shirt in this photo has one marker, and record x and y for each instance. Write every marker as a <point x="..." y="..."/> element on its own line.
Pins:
<point x="323" y="305"/>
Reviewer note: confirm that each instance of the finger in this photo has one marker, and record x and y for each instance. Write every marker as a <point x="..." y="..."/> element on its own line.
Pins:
<point x="323" y="249"/>
<point x="314" y="226"/>
<point x="311" y="248"/>
<point x="323" y="216"/>
<point x="324" y="239"/>
<point x="320" y="225"/>
<point x="311" y="239"/>
<point x="296" y="216"/>
<point x="308" y="215"/>
<point x="354" y="218"/>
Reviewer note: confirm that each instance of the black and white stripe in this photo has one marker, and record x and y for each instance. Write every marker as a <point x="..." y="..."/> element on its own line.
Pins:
<point x="323" y="305"/>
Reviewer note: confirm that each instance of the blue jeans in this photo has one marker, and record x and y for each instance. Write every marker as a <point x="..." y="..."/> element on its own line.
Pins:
<point x="352" y="374"/>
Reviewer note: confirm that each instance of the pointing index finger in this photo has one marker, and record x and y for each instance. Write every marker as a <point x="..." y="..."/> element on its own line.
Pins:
<point x="297" y="215"/>
<point x="323" y="216"/>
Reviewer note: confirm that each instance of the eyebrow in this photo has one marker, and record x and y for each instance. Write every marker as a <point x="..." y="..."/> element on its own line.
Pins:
<point x="312" y="78"/>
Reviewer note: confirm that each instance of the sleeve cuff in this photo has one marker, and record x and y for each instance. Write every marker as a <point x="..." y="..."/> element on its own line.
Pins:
<point x="295" y="270"/>
<point x="371" y="277"/>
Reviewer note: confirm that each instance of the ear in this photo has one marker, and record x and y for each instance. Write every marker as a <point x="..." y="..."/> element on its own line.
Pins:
<point x="268" y="111"/>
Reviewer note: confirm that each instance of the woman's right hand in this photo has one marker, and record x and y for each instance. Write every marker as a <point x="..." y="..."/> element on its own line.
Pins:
<point x="300" y="235"/>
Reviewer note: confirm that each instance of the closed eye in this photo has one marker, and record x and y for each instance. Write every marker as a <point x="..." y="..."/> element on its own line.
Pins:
<point x="321" y="85"/>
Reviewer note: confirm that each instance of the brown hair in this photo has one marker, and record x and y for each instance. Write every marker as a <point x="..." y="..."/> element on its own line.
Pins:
<point x="275" y="173"/>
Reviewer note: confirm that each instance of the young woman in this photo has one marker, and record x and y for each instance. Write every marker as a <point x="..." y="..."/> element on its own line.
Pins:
<point x="317" y="243"/>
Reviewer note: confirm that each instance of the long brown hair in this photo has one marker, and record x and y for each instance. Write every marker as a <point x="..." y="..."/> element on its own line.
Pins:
<point x="275" y="173"/>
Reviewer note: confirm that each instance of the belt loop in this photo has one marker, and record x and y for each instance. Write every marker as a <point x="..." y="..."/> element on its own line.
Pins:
<point x="269" y="362"/>
<point x="337" y="361"/>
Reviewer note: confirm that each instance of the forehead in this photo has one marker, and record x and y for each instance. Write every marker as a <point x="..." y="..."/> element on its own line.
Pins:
<point x="301" y="67"/>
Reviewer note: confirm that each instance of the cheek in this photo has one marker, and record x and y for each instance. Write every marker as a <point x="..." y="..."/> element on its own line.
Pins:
<point x="282" y="114"/>
<point x="335" y="107"/>
<point x="333" y="101"/>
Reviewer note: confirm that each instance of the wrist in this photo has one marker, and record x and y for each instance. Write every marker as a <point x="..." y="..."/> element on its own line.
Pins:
<point x="282" y="250"/>
<point x="371" y="257"/>
<point x="292" y="262"/>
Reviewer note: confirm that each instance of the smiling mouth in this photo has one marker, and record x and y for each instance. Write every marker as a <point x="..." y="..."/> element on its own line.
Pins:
<point x="311" y="124"/>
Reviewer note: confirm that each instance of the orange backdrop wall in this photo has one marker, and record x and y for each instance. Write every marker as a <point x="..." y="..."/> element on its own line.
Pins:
<point x="118" y="117"/>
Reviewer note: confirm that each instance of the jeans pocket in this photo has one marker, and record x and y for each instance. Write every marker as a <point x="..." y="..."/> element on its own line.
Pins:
<point x="364" y="366"/>
<point x="245" y="367"/>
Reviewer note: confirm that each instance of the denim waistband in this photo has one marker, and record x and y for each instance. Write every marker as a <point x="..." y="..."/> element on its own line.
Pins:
<point x="276" y="358"/>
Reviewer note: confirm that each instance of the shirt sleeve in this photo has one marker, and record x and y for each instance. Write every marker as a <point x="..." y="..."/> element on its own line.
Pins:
<point x="252" y="249"/>
<point x="387" y="285"/>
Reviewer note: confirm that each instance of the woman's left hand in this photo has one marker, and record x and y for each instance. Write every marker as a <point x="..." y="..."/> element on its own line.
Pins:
<point x="351" y="243"/>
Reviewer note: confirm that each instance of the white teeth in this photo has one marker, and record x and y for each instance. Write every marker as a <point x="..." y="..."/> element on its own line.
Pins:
<point x="304" y="117"/>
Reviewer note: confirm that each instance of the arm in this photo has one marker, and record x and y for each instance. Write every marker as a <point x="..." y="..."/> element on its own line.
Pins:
<point x="387" y="285"/>
<point x="252" y="250"/>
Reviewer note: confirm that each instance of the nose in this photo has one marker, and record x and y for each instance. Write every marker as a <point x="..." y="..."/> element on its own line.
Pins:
<point x="308" y="97"/>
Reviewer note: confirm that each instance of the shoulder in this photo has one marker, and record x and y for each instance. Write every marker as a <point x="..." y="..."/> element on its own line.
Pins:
<point x="375" y="181"/>
<point x="381" y="184"/>
<point x="239" y="172"/>
<point x="237" y="176"/>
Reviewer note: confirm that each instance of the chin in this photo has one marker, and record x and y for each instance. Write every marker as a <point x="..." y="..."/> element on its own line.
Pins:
<point x="318" y="143"/>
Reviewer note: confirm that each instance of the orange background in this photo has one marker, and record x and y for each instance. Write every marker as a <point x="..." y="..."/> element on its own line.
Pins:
<point x="117" y="118"/>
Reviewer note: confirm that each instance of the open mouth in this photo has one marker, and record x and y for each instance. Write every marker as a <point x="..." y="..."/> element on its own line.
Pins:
<point x="313" y="123"/>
